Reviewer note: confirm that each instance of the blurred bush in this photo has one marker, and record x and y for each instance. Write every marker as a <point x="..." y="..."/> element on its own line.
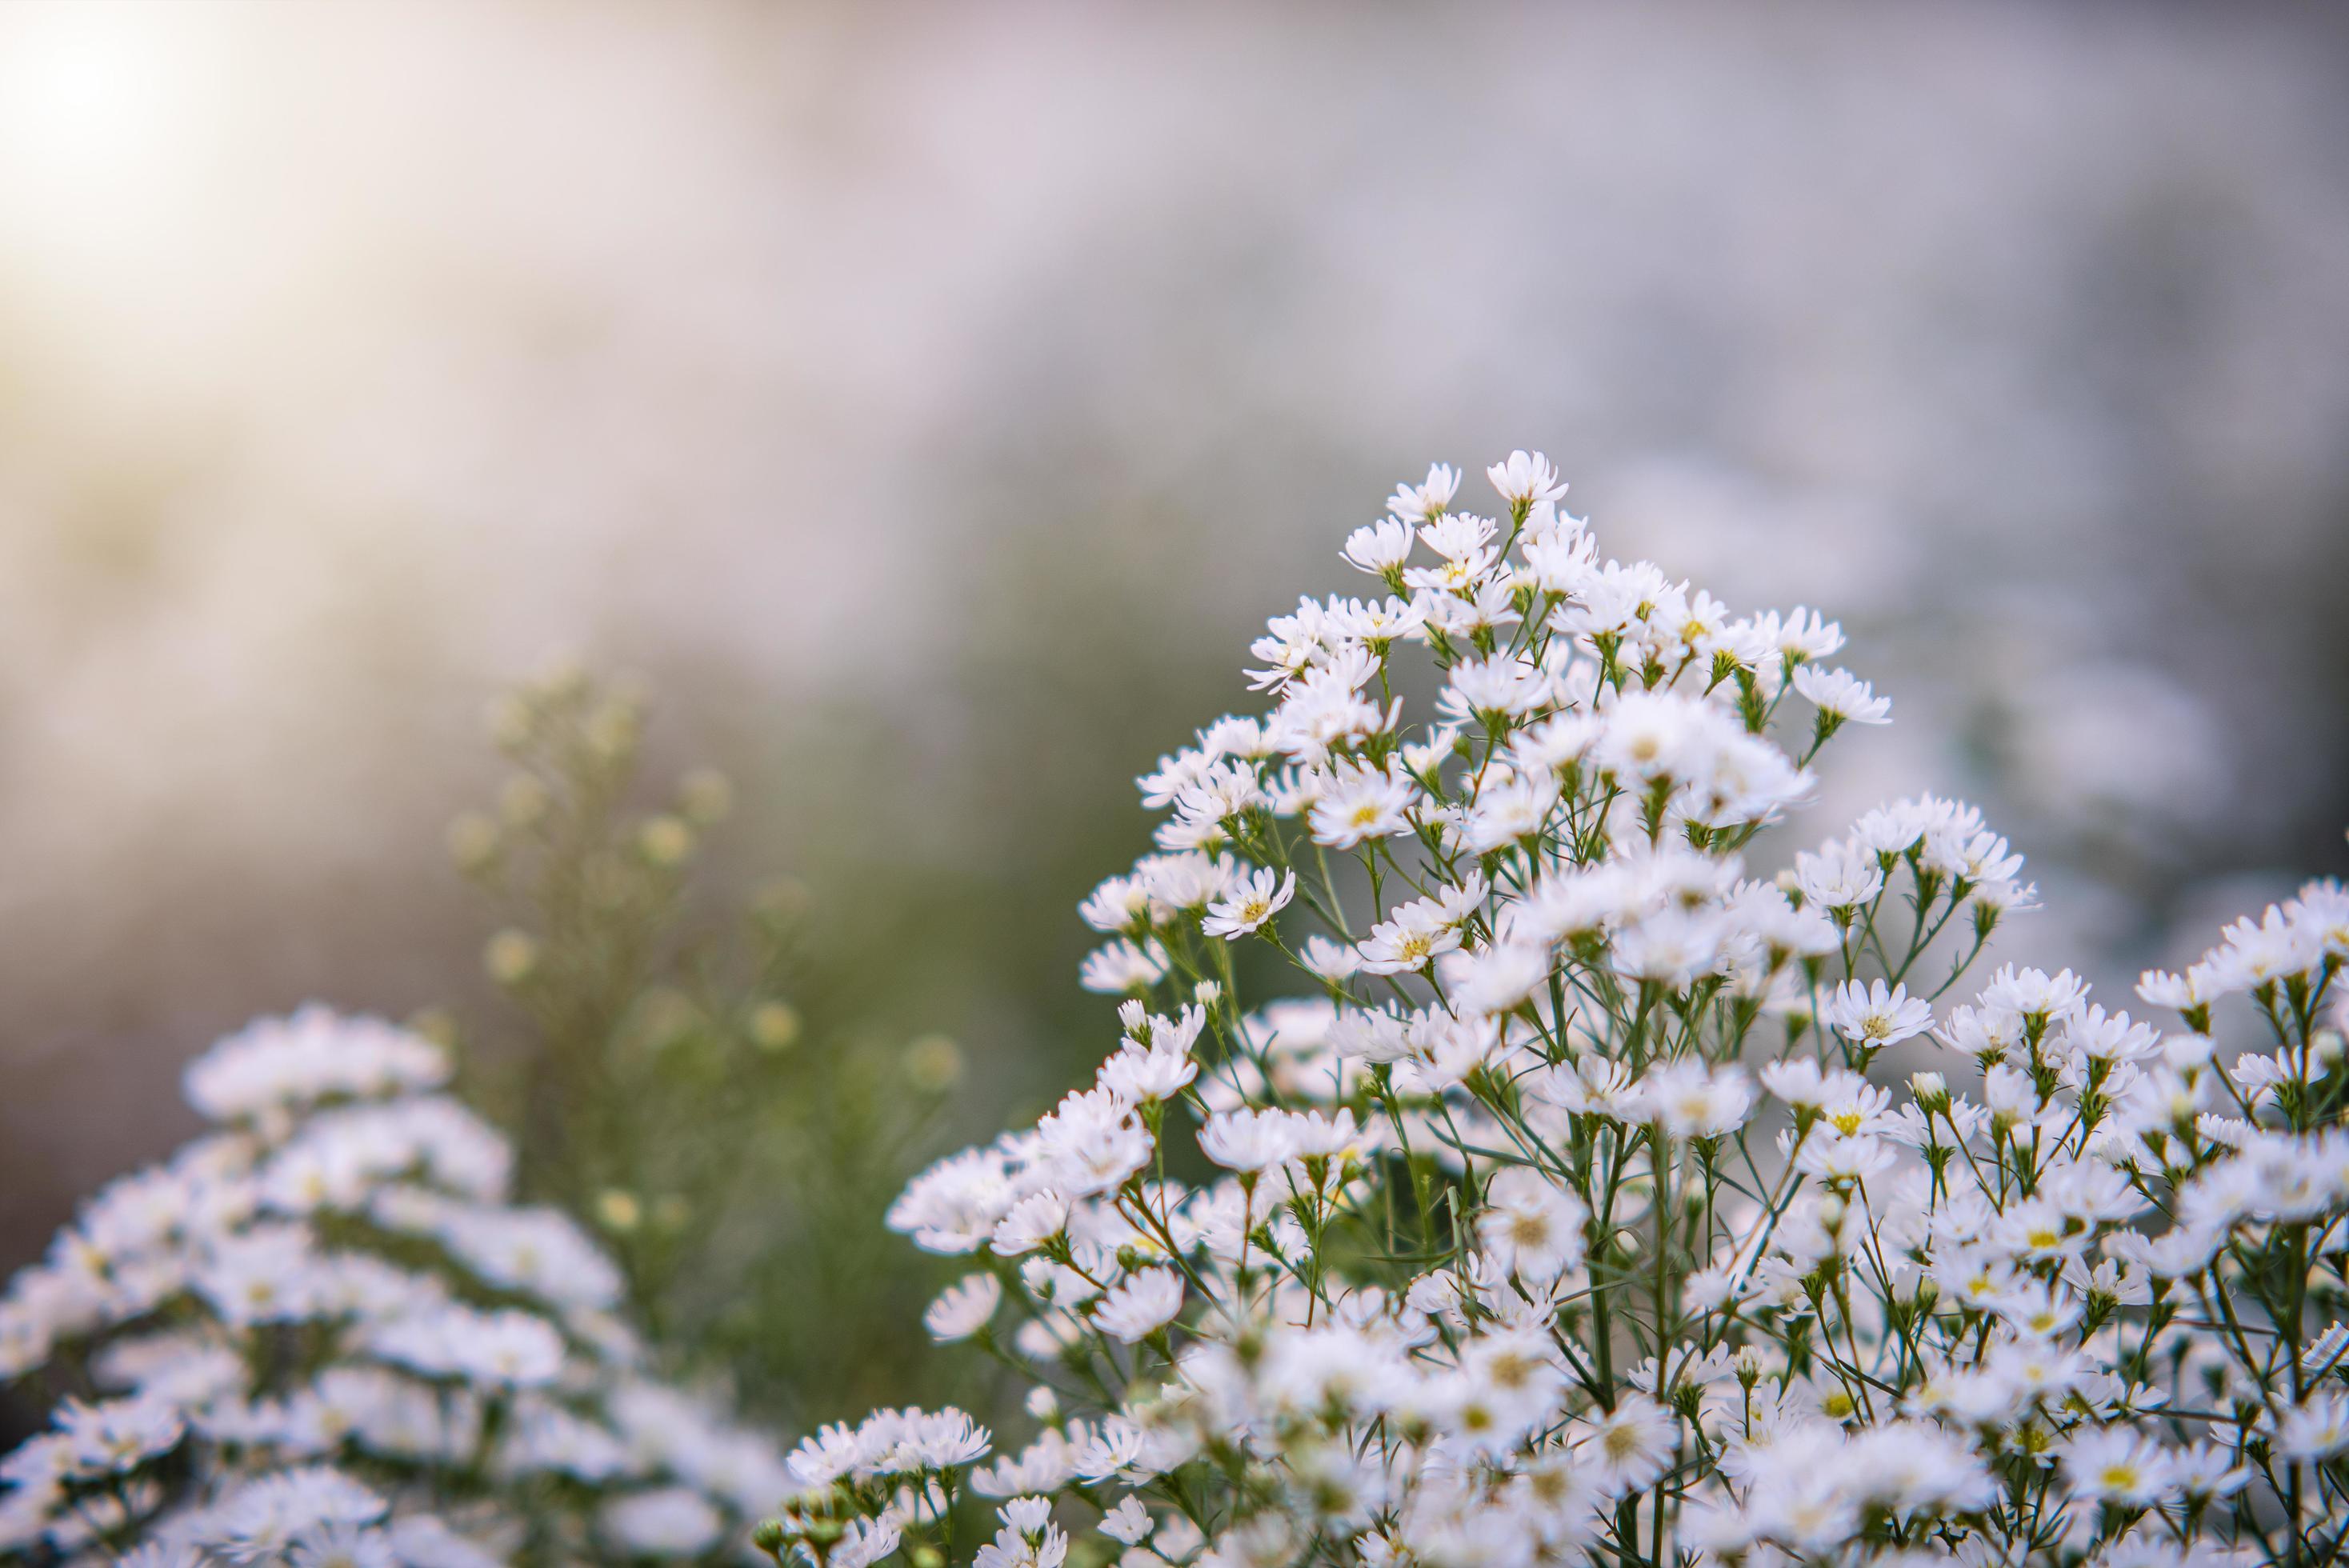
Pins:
<point x="676" y="1072"/>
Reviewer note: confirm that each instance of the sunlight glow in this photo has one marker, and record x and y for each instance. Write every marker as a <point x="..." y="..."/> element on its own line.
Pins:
<point x="95" y="105"/>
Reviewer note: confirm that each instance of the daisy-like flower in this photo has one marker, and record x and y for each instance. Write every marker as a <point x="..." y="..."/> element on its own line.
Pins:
<point x="1524" y="479"/>
<point x="945" y="1440"/>
<point x="1626" y="1448"/>
<point x="1531" y="1226"/>
<point x="2316" y="1430"/>
<point x="1404" y="944"/>
<point x="2205" y="1470"/>
<point x="1248" y="1141"/>
<point x="1358" y="804"/>
<point x="1120" y="966"/>
<point x="1875" y="1015"/>
<point x="1329" y="960"/>
<point x="1140" y="1304"/>
<point x="963" y="1308"/>
<point x="116" y="1435"/>
<point x="1381" y="547"/>
<point x="1252" y="899"/>
<point x="1841" y="696"/>
<point x="2110" y="1464"/>
<point x="1033" y="1221"/>
<point x="1693" y="1101"/>
<point x="1118" y="905"/>
<point x="1129" y="1523"/>
<point x="1841" y="1160"/>
<point x="1426" y="501"/>
<point x="669" y="1522"/>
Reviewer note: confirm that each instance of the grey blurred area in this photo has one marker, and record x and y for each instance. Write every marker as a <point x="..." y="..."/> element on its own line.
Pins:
<point x="929" y="400"/>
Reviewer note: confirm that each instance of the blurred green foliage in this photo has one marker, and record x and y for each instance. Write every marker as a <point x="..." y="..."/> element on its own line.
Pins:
<point x="676" y="1071"/>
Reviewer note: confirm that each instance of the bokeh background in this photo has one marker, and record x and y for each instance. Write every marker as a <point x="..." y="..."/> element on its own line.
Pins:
<point x="928" y="400"/>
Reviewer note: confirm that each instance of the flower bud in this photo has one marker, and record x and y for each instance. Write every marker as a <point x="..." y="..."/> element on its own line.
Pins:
<point x="774" y="1027"/>
<point x="511" y="956"/>
<point x="473" y="842"/>
<point x="613" y="731"/>
<point x="934" y="1064"/>
<point x="666" y="841"/>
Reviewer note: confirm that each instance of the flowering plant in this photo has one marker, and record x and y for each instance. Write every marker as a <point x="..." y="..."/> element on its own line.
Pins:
<point x="1560" y="1220"/>
<point x="323" y="1332"/>
<point x="658" y="1076"/>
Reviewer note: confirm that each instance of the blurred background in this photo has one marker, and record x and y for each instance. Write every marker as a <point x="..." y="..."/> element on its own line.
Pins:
<point x="927" y="402"/>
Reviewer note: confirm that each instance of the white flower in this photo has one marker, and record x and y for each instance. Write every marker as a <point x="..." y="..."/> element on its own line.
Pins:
<point x="1254" y="899"/>
<point x="1128" y="1522"/>
<point x="1123" y="966"/>
<point x="1248" y="1141"/>
<point x="1118" y="905"/>
<point x="1383" y="546"/>
<point x="1494" y="979"/>
<point x="1358" y="804"/>
<point x="1140" y="1304"/>
<point x="1426" y="500"/>
<point x="2118" y="1465"/>
<point x="953" y="1207"/>
<point x="2032" y="993"/>
<point x="2205" y="1470"/>
<point x="1143" y="1075"/>
<point x="1693" y="1101"/>
<point x="1033" y="1221"/>
<point x="1804" y="635"/>
<point x="1873" y="1014"/>
<point x="671" y="1522"/>
<point x="2316" y="1430"/>
<point x="1531" y="1226"/>
<point x="1833" y="1158"/>
<point x="1840" y="696"/>
<point x="1329" y="960"/>
<point x="963" y="1308"/>
<point x="275" y="1064"/>
<point x="117" y="1436"/>
<point x="1625" y="1449"/>
<point x="1416" y="933"/>
<point x="1841" y="876"/>
<point x="1028" y="1539"/>
<point x="266" y="1515"/>
<point x="504" y="1348"/>
<point x="1525" y="478"/>
<point x="1656" y="735"/>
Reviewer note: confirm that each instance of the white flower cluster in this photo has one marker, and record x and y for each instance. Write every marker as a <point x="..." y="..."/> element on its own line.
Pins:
<point x="324" y="1333"/>
<point x="1562" y="1221"/>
